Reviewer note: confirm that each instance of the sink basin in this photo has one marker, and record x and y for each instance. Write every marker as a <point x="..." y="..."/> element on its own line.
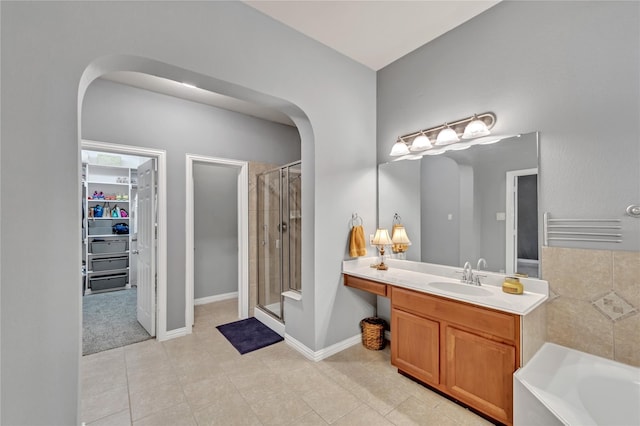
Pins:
<point x="458" y="288"/>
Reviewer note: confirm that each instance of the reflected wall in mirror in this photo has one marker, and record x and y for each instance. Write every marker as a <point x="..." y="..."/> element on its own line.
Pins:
<point x="456" y="206"/>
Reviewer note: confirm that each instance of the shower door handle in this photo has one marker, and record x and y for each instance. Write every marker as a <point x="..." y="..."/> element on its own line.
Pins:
<point x="282" y="227"/>
<point x="265" y="235"/>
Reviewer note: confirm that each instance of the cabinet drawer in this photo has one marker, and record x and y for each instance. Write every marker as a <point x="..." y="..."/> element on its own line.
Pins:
<point x="366" y="285"/>
<point x="499" y="324"/>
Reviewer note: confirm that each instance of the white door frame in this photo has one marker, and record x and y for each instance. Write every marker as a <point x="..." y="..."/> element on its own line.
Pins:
<point x="243" y="233"/>
<point x="161" y="268"/>
<point x="512" y="219"/>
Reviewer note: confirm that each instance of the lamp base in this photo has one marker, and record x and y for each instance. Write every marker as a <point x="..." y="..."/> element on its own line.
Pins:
<point x="382" y="267"/>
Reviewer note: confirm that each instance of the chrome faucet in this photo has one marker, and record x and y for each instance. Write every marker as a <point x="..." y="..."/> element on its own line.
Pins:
<point x="476" y="279"/>
<point x="467" y="273"/>
<point x="481" y="262"/>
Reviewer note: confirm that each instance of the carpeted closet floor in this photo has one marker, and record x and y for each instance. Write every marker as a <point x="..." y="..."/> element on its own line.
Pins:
<point x="109" y="321"/>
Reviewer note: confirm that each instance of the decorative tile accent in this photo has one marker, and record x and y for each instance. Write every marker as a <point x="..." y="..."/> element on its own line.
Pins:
<point x="626" y="276"/>
<point x="627" y="343"/>
<point x="576" y="324"/>
<point x="578" y="273"/>
<point x="613" y="306"/>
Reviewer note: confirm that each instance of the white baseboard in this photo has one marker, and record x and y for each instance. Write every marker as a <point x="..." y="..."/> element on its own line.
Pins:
<point x="322" y="353"/>
<point x="269" y="321"/>
<point x="216" y="298"/>
<point x="172" y="334"/>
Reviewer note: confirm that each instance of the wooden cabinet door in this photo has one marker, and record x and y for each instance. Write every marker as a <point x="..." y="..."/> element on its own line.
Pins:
<point x="479" y="372"/>
<point x="415" y="346"/>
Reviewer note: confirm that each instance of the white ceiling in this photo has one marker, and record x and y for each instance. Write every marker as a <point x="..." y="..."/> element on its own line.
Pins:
<point x="374" y="33"/>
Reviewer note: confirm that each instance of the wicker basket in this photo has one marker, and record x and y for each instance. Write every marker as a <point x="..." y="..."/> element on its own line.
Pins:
<point x="373" y="333"/>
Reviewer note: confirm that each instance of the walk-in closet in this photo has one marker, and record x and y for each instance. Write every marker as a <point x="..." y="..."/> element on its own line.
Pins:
<point x="113" y="207"/>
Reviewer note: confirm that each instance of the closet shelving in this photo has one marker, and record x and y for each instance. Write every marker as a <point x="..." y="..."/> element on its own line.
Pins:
<point x="106" y="253"/>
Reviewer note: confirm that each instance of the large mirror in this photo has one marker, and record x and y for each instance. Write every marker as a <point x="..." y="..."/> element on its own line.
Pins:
<point x="481" y="202"/>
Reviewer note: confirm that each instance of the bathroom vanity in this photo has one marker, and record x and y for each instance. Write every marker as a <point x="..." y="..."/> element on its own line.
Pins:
<point x="463" y="340"/>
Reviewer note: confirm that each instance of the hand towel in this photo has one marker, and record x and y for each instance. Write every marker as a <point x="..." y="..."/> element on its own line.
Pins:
<point x="357" y="246"/>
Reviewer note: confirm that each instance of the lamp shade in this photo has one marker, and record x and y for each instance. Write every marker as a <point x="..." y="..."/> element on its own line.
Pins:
<point x="400" y="235"/>
<point x="447" y="136"/>
<point x="381" y="238"/>
<point x="475" y="129"/>
<point x="420" y="143"/>
<point x="399" y="148"/>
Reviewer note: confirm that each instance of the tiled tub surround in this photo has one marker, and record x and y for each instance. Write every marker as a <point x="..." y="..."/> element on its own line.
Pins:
<point x="594" y="301"/>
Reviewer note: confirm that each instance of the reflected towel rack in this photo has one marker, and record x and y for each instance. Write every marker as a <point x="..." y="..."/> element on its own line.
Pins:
<point x="591" y="230"/>
<point x="355" y="220"/>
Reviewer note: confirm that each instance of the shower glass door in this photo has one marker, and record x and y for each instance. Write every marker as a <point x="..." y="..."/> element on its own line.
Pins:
<point x="292" y="247"/>
<point x="279" y="217"/>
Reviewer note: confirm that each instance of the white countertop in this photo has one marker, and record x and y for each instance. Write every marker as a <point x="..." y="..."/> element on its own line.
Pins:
<point x="418" y="275"/>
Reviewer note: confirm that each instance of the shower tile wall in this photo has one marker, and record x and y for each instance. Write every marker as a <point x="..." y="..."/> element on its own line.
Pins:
<point x="255" y="168"/>
<point x="594" y="301"/>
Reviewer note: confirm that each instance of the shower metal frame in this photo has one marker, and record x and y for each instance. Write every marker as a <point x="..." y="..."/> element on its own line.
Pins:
<point x="283" y="226"/>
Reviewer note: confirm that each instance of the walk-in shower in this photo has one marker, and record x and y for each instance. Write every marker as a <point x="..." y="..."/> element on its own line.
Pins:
<point x="279" y="236"/>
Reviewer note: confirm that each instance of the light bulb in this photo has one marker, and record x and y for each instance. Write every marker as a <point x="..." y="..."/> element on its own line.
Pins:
<point x="420" y="143"/>
<point x="475" y="129"/>
<point x="399" y="148"/>
<point x="447" y="136"/>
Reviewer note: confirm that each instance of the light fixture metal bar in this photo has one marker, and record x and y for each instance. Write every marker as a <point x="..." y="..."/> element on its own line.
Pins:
<point x="489" y="119"/>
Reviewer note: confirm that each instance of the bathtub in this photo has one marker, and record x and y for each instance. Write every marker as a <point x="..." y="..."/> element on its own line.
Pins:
<point x="562" y="386"/>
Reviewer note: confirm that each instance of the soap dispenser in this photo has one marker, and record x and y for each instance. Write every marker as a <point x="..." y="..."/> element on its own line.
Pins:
<point x="512" y="285"/>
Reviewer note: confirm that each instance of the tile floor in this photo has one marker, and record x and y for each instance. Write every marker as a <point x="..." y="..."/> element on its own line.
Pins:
<point x="200" y="379"/>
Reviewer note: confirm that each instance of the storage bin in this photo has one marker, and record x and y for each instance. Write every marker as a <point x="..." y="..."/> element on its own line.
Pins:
<point x="108" y="263"/>
<point x="110" y="246"/>
<point x="373" y="333"/>
<point x="100" y="227"/>
<point x="107" y="282"/>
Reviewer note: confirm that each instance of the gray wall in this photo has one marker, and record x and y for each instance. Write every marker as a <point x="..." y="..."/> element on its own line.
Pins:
<point x="440" y="179"/>
<point x="51" y="51"/>
<point x="395" y="196"/>
<point x="568" y="69"/>
<point x="216" y="230"/>
<point x="118" y="113"/>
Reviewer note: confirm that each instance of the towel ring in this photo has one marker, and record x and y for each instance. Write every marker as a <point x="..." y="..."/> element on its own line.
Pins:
<point x="397" y="220"/>
<point x="355" y="219"/>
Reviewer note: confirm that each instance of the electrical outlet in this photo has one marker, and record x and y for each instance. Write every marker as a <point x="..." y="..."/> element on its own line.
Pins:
<point x="501" y="216"/>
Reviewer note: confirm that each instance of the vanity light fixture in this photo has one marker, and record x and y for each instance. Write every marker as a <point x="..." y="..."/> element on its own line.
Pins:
<point x="475" y="129"/>
<point x="460" y="146"/>
<point x="446" y="136"/>
<point x="420" y="143"/>
<point x="399" y="148"/>
<point x="192" y="86"/>
<point x="381" y="239"/>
